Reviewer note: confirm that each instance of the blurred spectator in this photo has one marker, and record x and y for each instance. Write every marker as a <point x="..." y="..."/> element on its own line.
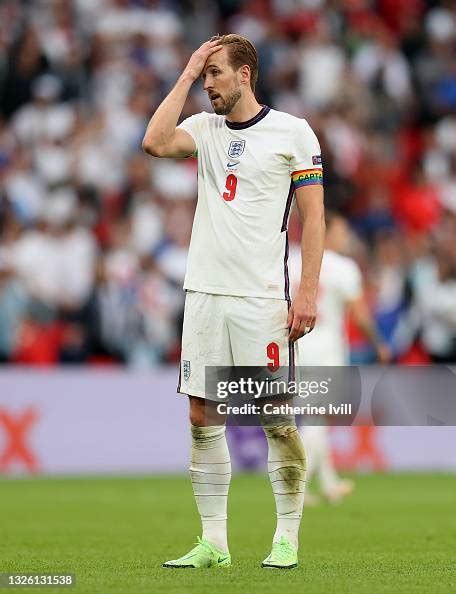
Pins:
<point x="25" y="62"/>
<point x="437" y="306"/>
<point x="13" y="306"/>
<point x="44" y="118"/>
<point x="24" y="188"/>
<point x="56" y="261"/>
<point x="321" y="67"/>
<point x="143" y="207"/>
<point x="379" y="63"/>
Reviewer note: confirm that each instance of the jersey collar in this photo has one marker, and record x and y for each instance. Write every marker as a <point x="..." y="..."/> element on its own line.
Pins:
<point x="242" y="125"/>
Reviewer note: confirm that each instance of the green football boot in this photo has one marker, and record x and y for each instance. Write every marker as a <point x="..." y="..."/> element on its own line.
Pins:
<point x="283" y="555"/>
<point x="204" y="555"/>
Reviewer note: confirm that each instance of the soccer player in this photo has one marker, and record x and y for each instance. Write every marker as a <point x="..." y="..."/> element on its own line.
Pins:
<point x="251" y="161"/>
<point x="340" y="292"/>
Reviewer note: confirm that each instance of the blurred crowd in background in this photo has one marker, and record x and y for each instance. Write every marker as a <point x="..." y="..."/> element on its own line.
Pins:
<point x="94" y="234"/>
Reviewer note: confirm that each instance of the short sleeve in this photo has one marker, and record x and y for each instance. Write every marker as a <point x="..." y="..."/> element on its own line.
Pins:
<point x="306" y="167"/>
<point x="194" y="126"/>
<point x="351" y="281"/>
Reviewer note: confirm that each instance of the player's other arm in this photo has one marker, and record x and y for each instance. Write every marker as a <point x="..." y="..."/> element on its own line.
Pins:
<point x="303" y="311"/>
<point x="162" y="138"/>
<point x="363" y="319"/>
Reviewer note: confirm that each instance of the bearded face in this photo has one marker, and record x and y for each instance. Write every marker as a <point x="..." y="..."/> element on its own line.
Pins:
<point x="224" y="105"/>
<point x="221" y="82"/>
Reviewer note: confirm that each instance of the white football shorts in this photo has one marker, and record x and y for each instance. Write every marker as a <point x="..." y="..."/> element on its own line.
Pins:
<point x="223" y="330"/>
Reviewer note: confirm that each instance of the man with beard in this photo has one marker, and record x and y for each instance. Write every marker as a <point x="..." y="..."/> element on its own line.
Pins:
<point x="252" y="160"/>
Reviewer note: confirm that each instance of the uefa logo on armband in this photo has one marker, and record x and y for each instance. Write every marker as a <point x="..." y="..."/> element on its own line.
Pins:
<point x="186" y="369"/>
<point x="236" y="148"/>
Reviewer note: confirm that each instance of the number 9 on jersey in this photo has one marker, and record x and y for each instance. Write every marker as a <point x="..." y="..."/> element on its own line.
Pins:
<point x="230" y="185"/>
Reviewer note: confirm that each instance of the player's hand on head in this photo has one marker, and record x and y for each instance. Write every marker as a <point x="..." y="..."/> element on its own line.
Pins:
<point x="199" y="58"/>
<point x="302" y="316"/>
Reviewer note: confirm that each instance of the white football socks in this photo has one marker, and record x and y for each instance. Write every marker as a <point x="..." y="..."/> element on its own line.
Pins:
<point x="210" y="473"/>
<point x="287" y="472"/>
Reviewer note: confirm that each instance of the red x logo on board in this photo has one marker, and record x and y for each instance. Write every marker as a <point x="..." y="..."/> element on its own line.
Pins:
<point x="365" y="451"/>
<point x="16" y="448"/>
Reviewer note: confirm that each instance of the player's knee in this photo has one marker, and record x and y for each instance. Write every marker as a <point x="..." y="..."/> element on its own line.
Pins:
<point x="203" y="413"/>
<point x="289" y="451"/>
<point x="283" y="435"/>
<point x="197" y="417"/>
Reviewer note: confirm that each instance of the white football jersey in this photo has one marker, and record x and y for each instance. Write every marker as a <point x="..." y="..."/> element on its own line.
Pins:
<point x="340" y="282"/>
<point x="247" y="173"/>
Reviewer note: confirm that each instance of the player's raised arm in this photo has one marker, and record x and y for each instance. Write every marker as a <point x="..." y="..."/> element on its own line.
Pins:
<point x="303" y="312"/>
<point x="162" y="138"/>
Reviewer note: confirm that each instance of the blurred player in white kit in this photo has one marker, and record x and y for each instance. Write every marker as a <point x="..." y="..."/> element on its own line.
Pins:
<point x="340" y="293"/>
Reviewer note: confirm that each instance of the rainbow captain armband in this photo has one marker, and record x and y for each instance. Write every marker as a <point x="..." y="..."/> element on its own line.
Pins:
<point x="307" y="177"/>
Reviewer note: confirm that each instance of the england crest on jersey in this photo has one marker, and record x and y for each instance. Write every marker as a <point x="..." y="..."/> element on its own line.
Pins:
<point x="236" y="148"/>
<point x="186" y="369"/>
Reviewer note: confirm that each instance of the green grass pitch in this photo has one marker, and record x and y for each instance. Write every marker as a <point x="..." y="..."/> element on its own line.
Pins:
<point x="396" y="533"/>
